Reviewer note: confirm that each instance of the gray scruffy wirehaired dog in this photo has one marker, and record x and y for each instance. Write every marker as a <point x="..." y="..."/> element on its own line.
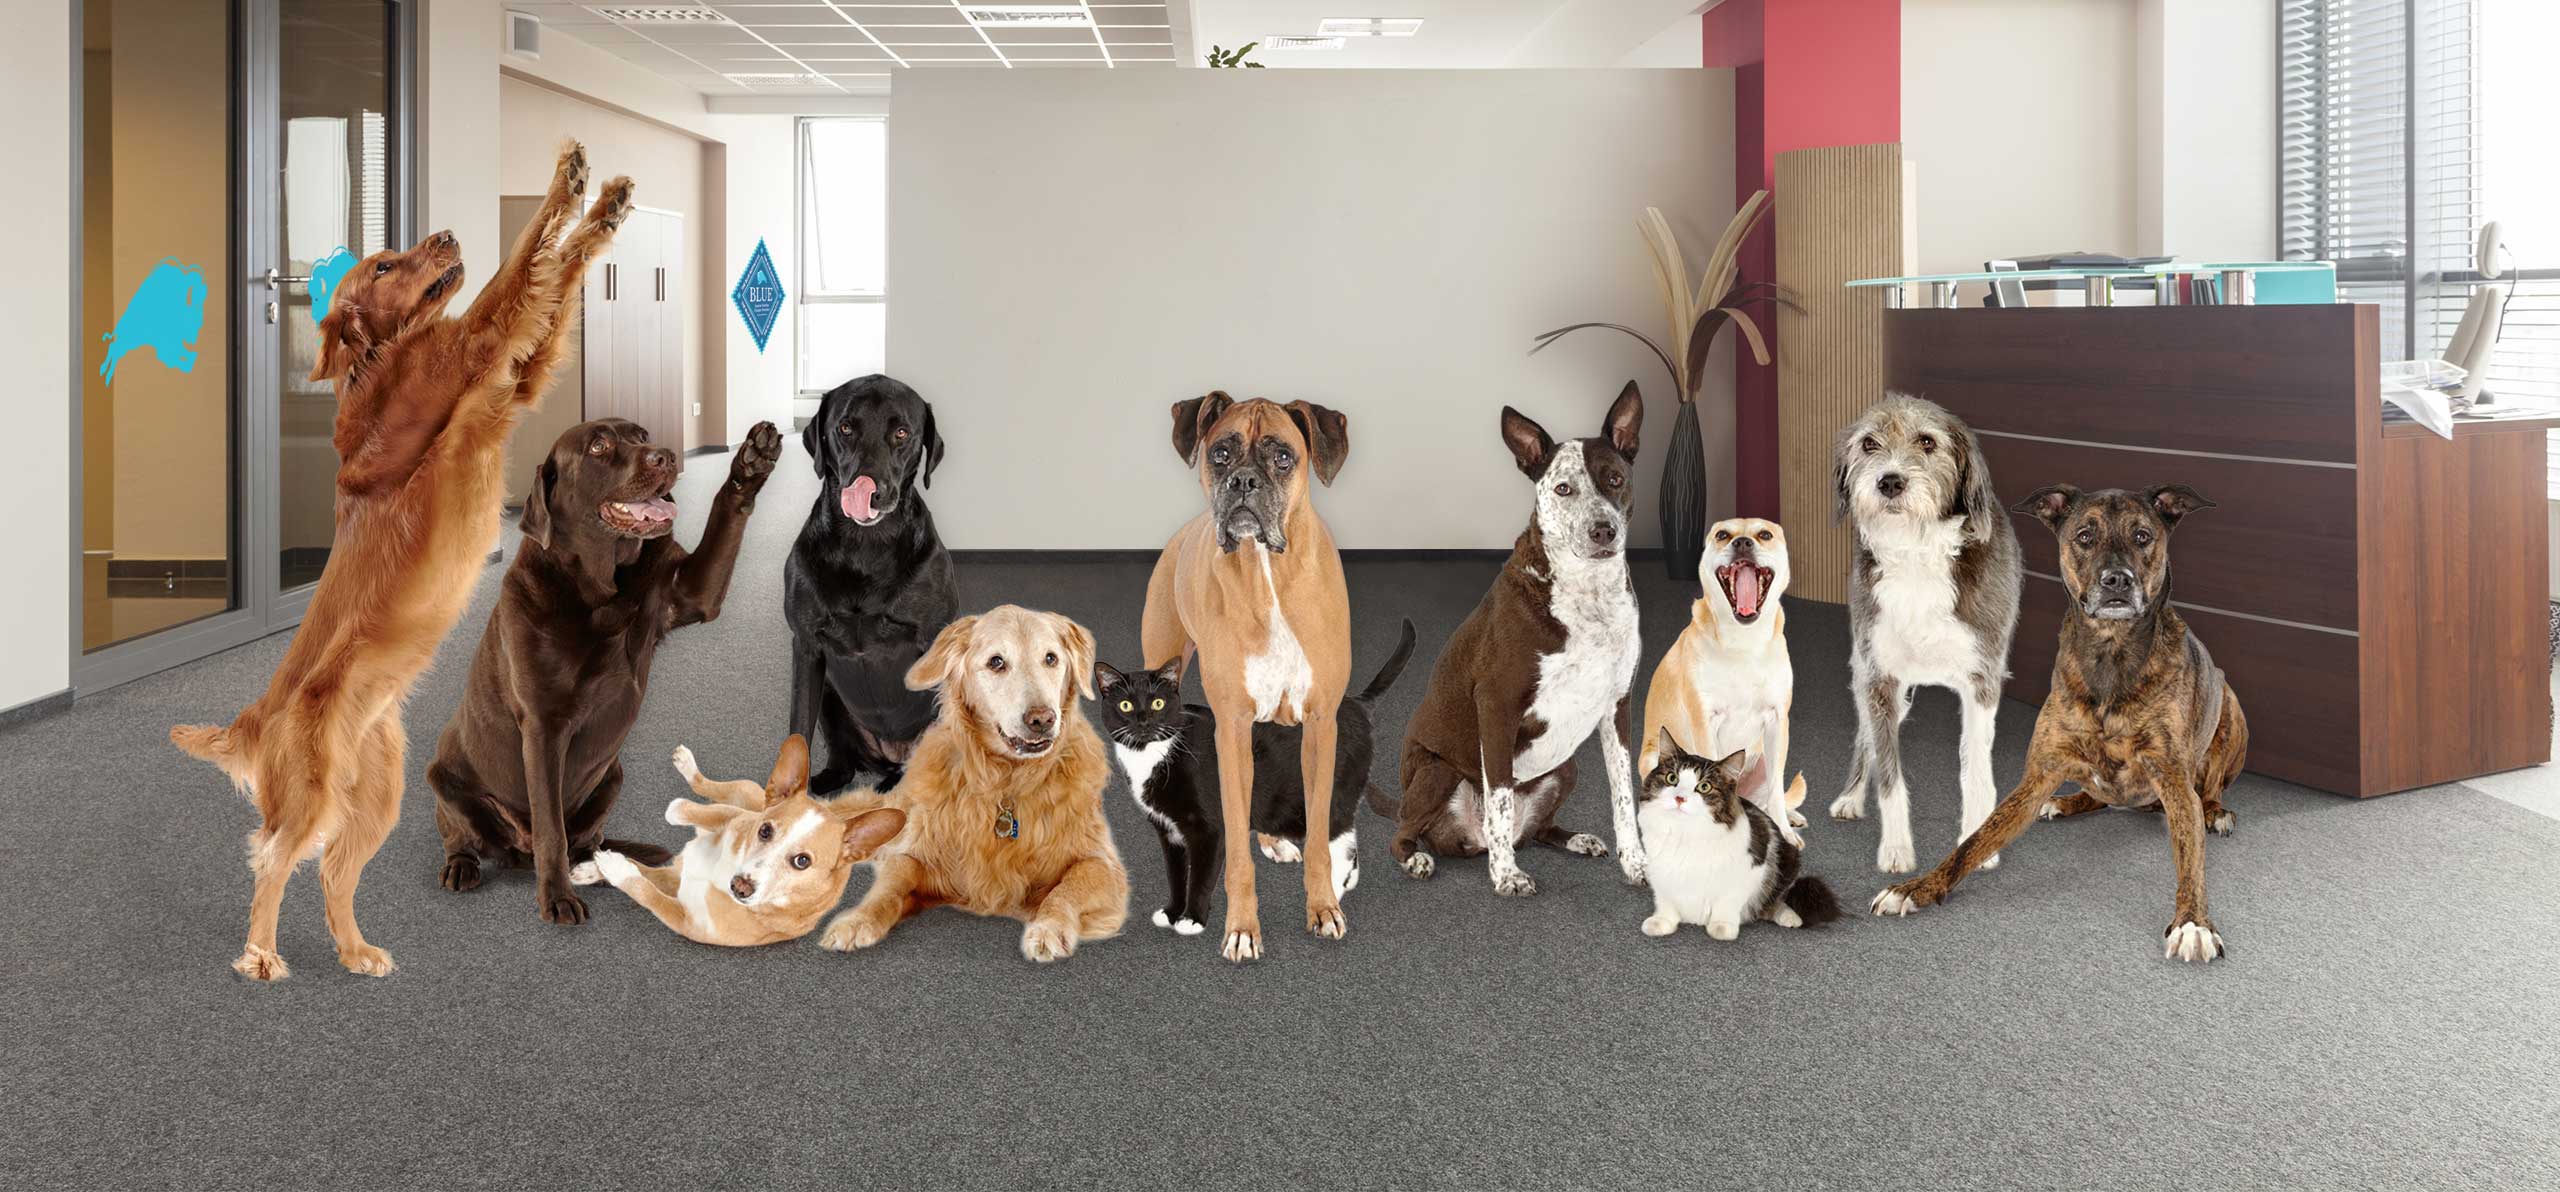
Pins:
<point x="1933" y="599"/>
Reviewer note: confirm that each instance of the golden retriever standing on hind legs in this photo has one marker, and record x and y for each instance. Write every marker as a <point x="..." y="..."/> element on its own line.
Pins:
<point x="425" y="405"/>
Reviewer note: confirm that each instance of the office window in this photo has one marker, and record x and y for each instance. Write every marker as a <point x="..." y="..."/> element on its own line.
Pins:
<point x="2406" y="125"/>
<point x="843" y="291"/>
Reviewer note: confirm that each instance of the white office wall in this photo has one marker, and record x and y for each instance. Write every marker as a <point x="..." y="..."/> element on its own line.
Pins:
<point x="1071" y="252"/>
<point x="35" y="338"/>
<point x="2213" y="179"/>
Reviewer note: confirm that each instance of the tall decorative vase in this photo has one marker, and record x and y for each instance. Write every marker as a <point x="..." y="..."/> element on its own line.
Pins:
<point x="1684" y="496"/>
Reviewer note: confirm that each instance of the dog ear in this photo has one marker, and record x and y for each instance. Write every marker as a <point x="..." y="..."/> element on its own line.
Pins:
<point x="344" y="339"/>
<point x="1849" y="436"/>
<point x="935" y="667"/>
<point x="932" y="443"/>
<point x="2049" y="503"/>
<point x="1192" y="420"/>
<point x="1973" y="499"/>
<point x="536" y="519"/>
<point x="1528" y="442"/>
<point x="790" y="771"/>
<point x="1079" y="643"/>
<point x="1625" y="422"/>
<point x="870" y="830"/>
<point x="2175" y="501"/>
<point x="1328" y="436"/>
<point x="1735" y="764"/>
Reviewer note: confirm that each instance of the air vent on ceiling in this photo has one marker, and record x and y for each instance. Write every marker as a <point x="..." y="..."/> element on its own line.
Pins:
<point x="781" y="79"/>
<point x="1018" y="16"/>
<point x="524" y="34"/>
<point x="660" y="14"/>
<point x="1301" y="41"/>
<point x="1369" y="26"/>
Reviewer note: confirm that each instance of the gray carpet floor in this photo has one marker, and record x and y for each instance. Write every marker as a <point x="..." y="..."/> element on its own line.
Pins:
<point x="2389" y="1016"/>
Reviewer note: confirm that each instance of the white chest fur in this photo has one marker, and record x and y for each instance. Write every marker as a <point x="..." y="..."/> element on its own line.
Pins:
<point x="707" y="867"/>
<point x="1746" y="681"/>
<point x="1141" y="763"/>
<point x="1583" y="682"/>
<point x="1280" y="675"/>
<point x="1915" y="635"/>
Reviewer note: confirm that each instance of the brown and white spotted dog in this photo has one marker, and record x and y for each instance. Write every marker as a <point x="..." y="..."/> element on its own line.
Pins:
<point x="2139" y="716"/>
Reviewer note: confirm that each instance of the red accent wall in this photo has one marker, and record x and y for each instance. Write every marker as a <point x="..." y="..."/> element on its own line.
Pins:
<point x="1807" y="73"/>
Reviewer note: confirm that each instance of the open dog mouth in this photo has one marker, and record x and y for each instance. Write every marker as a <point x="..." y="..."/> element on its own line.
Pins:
<point x="650" y="518"/>
<point x="1025" y="747"/>
<point x="860" y="501"/>
<point x="443" y="282"/>
<point x="1745" y="586"/>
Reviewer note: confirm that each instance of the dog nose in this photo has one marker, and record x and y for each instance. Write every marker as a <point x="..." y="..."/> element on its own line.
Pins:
<point x="662" y="457"/>
<point x="1890" y="484"/>
<point x="1603" y="533"/>
<point x="743" y="887"/>
<point x="2115" y="579"/>
<point x="1040" y="722"/>
<point x="1244" y="482"/>
<point x="443" y="239"/>
<point x="1742" y="548"/>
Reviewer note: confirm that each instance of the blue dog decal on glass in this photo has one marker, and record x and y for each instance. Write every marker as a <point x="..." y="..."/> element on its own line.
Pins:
<point x="165" y="314"/>
<point x="325" y="273"/>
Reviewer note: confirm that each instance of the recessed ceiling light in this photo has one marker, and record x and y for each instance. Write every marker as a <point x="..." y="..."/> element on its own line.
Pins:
<point x="778" y="79"/>
<point x="1017" y="16"/>
<point x="1369" y="26"/>
<point x="661" y="14"/>
<point x="1301" y="41"/>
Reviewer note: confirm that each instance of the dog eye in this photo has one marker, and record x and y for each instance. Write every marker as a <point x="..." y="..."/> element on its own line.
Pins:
<point x="381" y="267"/>
<point x="1617" y="480"/>
<point x="1762" y="536"/>
<point x="995" y="662"/>
<point x="2142" y="537"/>
<point x="2086" y="536"/>
<point x="1159" y="706"/>
<point x="799" y="860"/>
<point x="1721" y="535"/>
<point x="764" y="831"/>
<point x="844" y="428"/>
<point x="599" y="445"/>
<point x="1283" y="461"/>
<point x="1049" y="659"/>
<point x="1869" y="445"/>
<point x="898" y="434"/>
<point x="1564" y="490"/>
<point x="1928" y="445"/>
<point x="1219" y="456"/>
<point x="1127" y="706"/>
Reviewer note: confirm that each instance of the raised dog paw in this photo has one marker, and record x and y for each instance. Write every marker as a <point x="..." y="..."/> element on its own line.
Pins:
<point x="585" y="873"/>
<point x="1420" y="864"/>
<point x="2194" y="941"/>
<point x="1849" y="807"/>
<point x="461" y="872"/>
<point x="1046" y="942"/>
<point x="754" y="462"/>
<point x="685" y="764"/>
<point x="1514" y="884"/>
<point x="571" y="174"/>
<point x="260" y="964"/>
<point x="1276" y="849"/>
<point x="678" y="810"/>
<point x="365" y="960"/>
<point x="611" y="867"/>
<point x="1243" y="943"/>
<point x="1895" y="858"/>
<point x="1327" y="921"/>
<point x="1898" y="901"/>
<point x="1659" y="923"/>
<point x="1586" y="844"/>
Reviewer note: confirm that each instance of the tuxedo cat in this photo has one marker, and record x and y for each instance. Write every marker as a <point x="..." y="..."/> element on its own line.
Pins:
<point x="1715" y="857"/>
<point x="1169" y="750"/>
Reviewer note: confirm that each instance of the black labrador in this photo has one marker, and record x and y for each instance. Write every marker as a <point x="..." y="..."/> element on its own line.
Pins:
<point x="868" y="584"/>
<point x="532" y="760"/>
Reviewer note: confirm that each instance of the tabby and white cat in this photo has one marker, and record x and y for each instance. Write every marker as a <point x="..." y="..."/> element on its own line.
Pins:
<point x="1714" y="857"/>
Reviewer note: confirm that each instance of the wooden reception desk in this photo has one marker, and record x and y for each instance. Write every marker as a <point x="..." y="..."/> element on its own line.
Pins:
<point x="2377" y="594"/>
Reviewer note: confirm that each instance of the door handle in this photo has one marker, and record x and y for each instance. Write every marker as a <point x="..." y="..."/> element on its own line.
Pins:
<point x="276" y="280"/>
<point x="662" y="283"/>
<point x="609" y="273"/>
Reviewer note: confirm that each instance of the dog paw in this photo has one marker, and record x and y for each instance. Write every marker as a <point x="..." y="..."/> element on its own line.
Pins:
<point x="564" y="907"/>
<point x="1276" y="849"/>
<point x="2194" y="941"/>
<point x="1723" y="929"/>
<point x="1631" y="866"/>
<point x="677" y="811"/>
<point x="1043" y="943"/>
<point x="755" y="459"/>
<point x="365" y="960"/>
<point x="1327" y="922"/>
<point x="1793" y="838"/>
<point x="571" y="174"/>
<point x="461" y="872"/>
<point x="1849" y="807"/>
<point x="1892" y="857"/>
<point x="1514" y="884"/>
<point x="1898" y="901"/>
<point x="2220" y="821"/>
<point x="1660" y="923"/>
<point x="1989" y="863"/>
<point x="585" y="873"/>
<point x="611" y="867"/>
<point x="685" y="764"/>
<point x="1244" y="943"/>
<point x="1586" y="844"/>
<point x="850" y="932"/>
<point x="260" y="964"/>
<point x="1420" y="865"/>
<point x="614" y="205"/>
<point x="1795" y="818"/>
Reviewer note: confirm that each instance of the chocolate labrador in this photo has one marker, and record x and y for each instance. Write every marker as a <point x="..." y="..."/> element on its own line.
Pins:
<point x="531" y="761"/>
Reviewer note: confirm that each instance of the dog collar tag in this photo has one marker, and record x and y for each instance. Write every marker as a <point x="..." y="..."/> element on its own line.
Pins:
<point x="1007" y="825"/>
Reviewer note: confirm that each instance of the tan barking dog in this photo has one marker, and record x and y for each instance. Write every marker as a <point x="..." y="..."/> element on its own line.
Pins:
<point x="1003" y="794"/>
<point x="425" y="405"/>
<point x="1728" y="684"/>
<point x="766" y="862"/>
<point x="1255" y="586"/>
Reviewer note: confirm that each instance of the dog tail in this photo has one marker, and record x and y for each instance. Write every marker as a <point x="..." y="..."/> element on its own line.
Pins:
<point x="1812" y="901"/>
<point x="1383" y="803"/>
<point x="1393" y="670"/>
<point x="216" y="743"/>
<point x="1795" y="791"/>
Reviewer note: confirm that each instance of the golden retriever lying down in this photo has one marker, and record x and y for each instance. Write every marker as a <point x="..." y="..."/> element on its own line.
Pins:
<point x="766" y="863"/>
<point x="1003" y="794"/>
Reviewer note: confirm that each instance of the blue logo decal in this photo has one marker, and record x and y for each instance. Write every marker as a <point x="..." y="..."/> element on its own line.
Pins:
<point x="759" y="295"/>
<point x="325" y="273"/>
<point x="165" y="314"/>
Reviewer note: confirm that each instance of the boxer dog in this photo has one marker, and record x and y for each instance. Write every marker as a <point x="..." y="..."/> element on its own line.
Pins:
<point x="2139" y="715"/>
<point x="1256" y="587"/>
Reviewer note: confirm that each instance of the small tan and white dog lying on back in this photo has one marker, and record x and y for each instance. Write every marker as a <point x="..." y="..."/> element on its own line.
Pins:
<point x="766" y="863"/>
<point x="1728" y="684"/>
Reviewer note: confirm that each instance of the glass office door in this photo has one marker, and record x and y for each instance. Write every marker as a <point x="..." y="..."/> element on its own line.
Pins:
<point x="236" y="157"/>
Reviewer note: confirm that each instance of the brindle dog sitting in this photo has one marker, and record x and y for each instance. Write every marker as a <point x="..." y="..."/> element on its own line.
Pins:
<point x="2139" y="716"/>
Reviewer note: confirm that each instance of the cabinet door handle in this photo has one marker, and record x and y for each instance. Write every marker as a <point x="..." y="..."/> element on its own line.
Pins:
<point x="608" y="281"/>
<point x="662" y="283"/>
